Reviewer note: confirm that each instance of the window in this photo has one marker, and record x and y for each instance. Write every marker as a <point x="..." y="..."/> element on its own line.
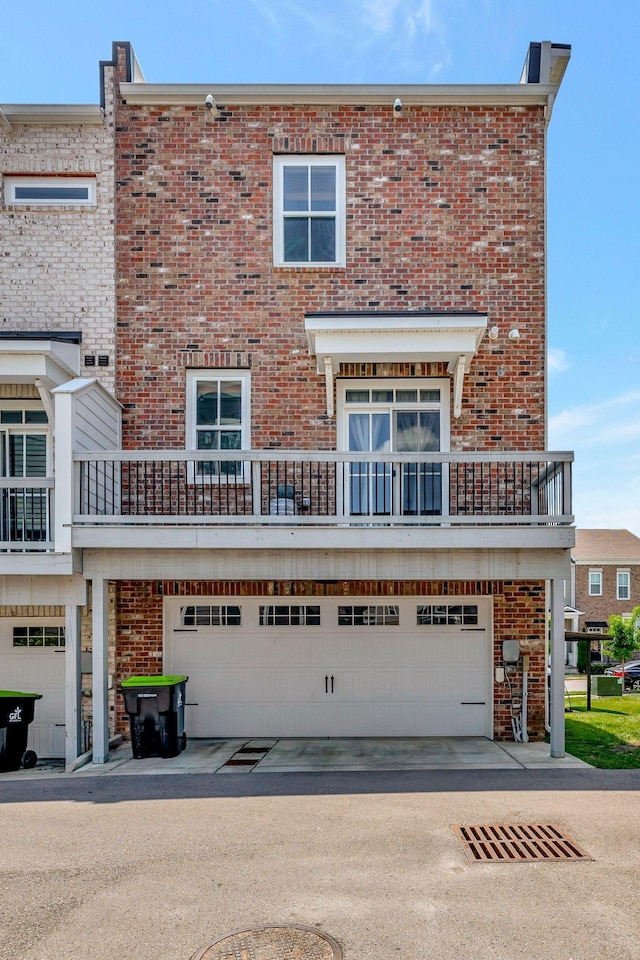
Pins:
<point x="50" y="191"/>
<point x="595" y="583"/>
<point x="623" y="578"/>
<point x="369" y="616"/>
<point x="289" y="616"/>
<point x="218" y="418"/>
<point x="440" y="614"/>
<point x="32" y="636"/>
<point x="309" y="210"/>
<point x="210" y="616"/>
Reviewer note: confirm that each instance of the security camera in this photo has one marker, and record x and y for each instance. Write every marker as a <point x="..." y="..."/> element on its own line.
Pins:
<point x="397" y="107"/>
<point x="209" y="102"/>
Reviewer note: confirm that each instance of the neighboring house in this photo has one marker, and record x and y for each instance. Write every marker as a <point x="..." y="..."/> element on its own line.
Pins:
<point x="332" y="503"/>
<point x="57" y="359"/>
<point x="605" y="576"/>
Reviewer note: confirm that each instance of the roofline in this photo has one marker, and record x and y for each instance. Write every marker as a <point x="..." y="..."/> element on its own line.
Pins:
<point x="318" y="94"/>
<point x="52" y="113"/>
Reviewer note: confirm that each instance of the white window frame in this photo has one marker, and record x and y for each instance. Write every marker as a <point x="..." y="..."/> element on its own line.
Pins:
<point x="288" y="160"/>
<point x="620" y="574"/>
<point x="215" y="376"/>
<point x="593" y="592"/>
<point x="11" y="184"/>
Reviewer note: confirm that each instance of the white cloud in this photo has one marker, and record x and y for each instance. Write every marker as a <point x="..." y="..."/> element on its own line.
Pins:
<point x="605" y="438"/>
<point x="557" y="360"/>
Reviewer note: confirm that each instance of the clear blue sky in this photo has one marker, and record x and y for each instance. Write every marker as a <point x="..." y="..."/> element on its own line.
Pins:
<point x="50" y="54"/>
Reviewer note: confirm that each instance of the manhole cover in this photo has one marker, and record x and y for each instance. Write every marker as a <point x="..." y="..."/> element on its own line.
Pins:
<point x="272" y="943"/>
<point x="517" y="842"/>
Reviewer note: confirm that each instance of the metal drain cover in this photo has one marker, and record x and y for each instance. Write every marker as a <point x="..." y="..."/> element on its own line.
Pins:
<point x="517" y="842"/>
<point x="272" y="943"/>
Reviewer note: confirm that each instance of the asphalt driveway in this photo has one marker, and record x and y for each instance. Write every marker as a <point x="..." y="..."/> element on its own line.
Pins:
<point x="141" y="867"/>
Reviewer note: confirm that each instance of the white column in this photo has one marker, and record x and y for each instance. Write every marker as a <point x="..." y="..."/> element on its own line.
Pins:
<point x="72" y="683"/>
<point x="556" y="696"/>
<point x="100" y="649"/>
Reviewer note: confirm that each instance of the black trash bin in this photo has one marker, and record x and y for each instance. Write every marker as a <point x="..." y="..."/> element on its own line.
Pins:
<point x="156" y="715"/>
<point x="16" y="713"/>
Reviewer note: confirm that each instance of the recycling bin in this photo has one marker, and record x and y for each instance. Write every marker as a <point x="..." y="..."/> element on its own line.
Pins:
<point x="16" y="713"/>
<point x="155" y="706"/>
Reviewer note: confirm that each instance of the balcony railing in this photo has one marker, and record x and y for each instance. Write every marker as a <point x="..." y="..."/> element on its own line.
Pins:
<point x="297" y="488"/>
<point x="26" y="512"/>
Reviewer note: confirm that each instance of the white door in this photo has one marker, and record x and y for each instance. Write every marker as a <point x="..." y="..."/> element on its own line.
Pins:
<point x="348" y="667"/>
<point x="24" y="452"/>
<point x="32" y="661"/>
<point x="392" y="416"/>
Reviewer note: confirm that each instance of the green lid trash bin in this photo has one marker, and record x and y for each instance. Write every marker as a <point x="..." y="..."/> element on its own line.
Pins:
<point x="155" y="706"/>
<point x="16" y="713"/>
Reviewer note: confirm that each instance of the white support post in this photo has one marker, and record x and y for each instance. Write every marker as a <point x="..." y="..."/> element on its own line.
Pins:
<point x="100" y="663"/>
<point x="72" y="683"/>
<point x="556" y="696"/>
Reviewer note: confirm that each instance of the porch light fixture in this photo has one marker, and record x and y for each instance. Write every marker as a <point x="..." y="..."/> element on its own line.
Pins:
<point x="492" y="333"/>
<point x="514" y="334"/>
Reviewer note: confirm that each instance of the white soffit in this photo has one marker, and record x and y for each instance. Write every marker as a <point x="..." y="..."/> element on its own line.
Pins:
<point x="406" y="338"/>
<point x="52" y="362"/>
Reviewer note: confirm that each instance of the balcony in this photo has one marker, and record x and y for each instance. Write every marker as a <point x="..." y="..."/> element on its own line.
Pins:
<point x="304" y="498"/>
<point x="26" y="512"/>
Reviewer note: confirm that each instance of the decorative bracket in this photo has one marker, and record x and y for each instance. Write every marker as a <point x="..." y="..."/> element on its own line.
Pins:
<point x="328" y="376"/>
<point x="458" y="369"/>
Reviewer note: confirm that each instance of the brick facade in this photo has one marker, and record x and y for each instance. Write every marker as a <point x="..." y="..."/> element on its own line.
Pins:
<point x="601" y="608"/>
<point x="444" y="213"/>
<point x="58" y="271"/>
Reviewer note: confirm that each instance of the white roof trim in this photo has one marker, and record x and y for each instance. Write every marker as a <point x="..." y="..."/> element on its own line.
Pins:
<point x="266" y="94"/>
<point x="52" y="362"/>
<point x="51" y="113"/>
<point x="408" y="338"/>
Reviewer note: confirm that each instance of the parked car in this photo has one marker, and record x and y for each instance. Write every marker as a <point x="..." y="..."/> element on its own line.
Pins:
<point x="631" y="674"/>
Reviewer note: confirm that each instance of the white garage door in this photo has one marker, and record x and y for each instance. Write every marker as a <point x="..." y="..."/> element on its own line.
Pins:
<point x="348" y="667"/>
<point x="32" y="661"/>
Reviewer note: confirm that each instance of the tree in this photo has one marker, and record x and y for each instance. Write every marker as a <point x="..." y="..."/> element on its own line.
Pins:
<point x="625" y="637"/>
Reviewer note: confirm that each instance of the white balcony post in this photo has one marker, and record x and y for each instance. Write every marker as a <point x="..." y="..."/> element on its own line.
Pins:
<point x="72" y="683"/>
<point x="64" y="472"/>
<point x="100" y="662"/>
<point x="556" y="697"/>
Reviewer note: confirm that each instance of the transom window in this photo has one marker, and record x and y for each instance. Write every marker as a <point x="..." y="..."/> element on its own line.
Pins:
<point x="282" y="615"/>
<point x="218" y="417"/>
<point x="205" y="616"/>
<point x="309" y="210"/>
<point x="440" y="614"/>
<point x="50" y="191"/>
<point x="38" y="636"/>
<point x="595" y="583"/>
<point x="623" y="579"/>
<point x="369" y="616"/>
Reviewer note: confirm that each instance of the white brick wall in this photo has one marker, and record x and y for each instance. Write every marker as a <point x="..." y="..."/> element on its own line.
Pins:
<point x="57" y="268"/>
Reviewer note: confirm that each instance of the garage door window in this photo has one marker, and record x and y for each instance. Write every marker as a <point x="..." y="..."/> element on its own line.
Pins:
<point x="38" y="636"/>
<point x="289" y="616"/>
<point x="210" y="616"/>
<point x="369" y="616"/>
<point x="442" y="614"/>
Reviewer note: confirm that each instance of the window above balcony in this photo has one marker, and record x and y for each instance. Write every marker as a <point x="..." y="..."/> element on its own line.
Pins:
<point x="452" y="338"/>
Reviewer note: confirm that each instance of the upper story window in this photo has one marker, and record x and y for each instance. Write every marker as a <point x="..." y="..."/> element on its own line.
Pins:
<point x="309" y="210"/>
<point x="50" y="191"/>
<point x="218" y="417"/>
<point x="595" y="583"/>
<point x="623" y="583"/>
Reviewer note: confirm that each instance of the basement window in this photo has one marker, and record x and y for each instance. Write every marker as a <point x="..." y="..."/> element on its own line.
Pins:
<point x="49" y="191"/>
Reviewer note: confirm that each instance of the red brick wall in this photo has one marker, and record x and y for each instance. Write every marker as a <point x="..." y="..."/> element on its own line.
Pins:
<point x="518" y="612"/>
<point x="444" y="213"/>
<point x="601" y="608"/>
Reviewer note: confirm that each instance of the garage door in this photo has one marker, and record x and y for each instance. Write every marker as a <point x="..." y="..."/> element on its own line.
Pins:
<point x="348" y="667"/>
<point x="32" y="660"/>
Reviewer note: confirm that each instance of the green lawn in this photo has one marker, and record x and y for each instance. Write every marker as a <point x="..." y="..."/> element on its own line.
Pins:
<point x="608" y="736"/>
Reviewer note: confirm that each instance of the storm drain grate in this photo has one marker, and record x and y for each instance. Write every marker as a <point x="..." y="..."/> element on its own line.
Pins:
<point x="257" y="750"/>
<point x="241" y="762"/>
<point x="517" y="843"/>
<point x="269" y="943"/>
